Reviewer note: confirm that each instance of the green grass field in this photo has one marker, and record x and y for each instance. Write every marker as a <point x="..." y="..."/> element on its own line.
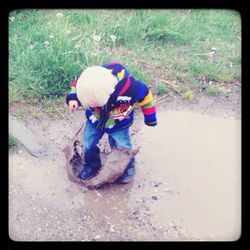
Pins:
<point x="189" y="48"/>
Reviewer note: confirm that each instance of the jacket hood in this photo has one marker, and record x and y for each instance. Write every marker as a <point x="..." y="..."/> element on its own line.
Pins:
<point x="118" y="70"/>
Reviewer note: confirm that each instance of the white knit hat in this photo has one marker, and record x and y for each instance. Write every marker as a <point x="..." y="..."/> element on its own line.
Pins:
<point x="95" y="85"/>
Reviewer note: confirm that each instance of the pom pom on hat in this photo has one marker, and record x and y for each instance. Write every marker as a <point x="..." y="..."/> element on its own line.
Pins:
<point x="95" y="85"/>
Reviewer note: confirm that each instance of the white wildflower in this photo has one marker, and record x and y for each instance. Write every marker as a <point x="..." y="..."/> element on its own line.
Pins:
<point x="51" y="36"/>
<point x="97" y="38"/>
<point x="77" y="46"/>
<point x="113" y="38"/>
<point x="46" y="43"/>
<point x="59" y="14"/>
<point x="31" y="46"/>
<point x="12" y="18"/>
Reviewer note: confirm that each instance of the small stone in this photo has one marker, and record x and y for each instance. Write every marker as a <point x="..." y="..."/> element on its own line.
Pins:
<point x="136" y="212"/>
<point x="112" y="229"/>
<point x="172" y="224"/>
<point x="97" y="237"/>
<point x="154" y="197"/>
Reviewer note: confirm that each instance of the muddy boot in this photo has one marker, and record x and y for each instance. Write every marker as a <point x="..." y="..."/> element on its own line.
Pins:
<point x="129" y="173"/>
<point x="88" y="172"/>
<point x="92" y="163"/>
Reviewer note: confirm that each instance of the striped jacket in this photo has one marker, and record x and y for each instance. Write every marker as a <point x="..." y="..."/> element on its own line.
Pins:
<point x="118" y="112"/>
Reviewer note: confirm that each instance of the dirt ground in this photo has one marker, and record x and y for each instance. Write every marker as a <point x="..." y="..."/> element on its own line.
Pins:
<point x="186" y="187"/>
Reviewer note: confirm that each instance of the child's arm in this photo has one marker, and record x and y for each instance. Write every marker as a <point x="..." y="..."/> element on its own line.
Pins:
<point x="146" y="102"/>
<point x="72" y="96"/>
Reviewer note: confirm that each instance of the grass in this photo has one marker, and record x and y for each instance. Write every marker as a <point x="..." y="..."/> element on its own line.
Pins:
<point x="12" y="141"/>
<point x="213" y="90"/>
<point x="47" y="48"/>
<point x="161" y="88"/>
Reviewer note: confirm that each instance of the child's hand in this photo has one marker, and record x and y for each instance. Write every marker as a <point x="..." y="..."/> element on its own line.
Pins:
<point x="73" y="105"/>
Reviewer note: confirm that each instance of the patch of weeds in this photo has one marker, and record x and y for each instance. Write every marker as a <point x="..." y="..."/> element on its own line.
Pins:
<point x="36" y="113"/>
<point x="12" y="141"/>
<point x="164" y="35"/>
<point x="226" y="76"/>
<point x="188" y="95"/>
<point x="213" y="90"/>
<point x="51" y="114"/>
<point x="53" y="106"/>
<point x="161" y="88"/>
<point x="21" y="113"/>
<point x="197" y="84"/>
<point x="209" y="70"/>
<point x="181" y="89"/>
<point x="139" y="73"/>
<point x="227" y="94"/>
<point x="11" y="95"/>
<point x="185" y="92"/>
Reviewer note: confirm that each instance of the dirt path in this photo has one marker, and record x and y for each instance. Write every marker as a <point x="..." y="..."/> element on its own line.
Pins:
<point x="187" y="184"/>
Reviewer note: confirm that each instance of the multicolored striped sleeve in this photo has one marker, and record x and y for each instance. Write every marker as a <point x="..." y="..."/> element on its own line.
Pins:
<point x="146" y="102"/>
<point x="72" y="94"/>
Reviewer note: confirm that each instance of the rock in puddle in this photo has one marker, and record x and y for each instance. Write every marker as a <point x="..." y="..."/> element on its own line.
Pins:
<point x="154" y="197"/>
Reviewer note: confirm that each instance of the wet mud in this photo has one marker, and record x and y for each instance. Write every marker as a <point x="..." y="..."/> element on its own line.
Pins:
<point x="187" y="185"/>
<point x="113" y="164"/>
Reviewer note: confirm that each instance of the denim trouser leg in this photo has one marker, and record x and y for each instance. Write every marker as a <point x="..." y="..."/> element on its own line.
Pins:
<point x="121" y="139"/>
<point x="91" y="137"/>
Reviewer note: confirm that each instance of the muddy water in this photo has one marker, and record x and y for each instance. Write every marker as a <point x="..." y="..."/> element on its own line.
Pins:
<point x="189" y="173"/>
<point x="187" y="187"/>
<point x="196" y="160"/>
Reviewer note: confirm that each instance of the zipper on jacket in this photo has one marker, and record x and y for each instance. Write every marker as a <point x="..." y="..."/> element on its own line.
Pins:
<point x="104" y="116"/>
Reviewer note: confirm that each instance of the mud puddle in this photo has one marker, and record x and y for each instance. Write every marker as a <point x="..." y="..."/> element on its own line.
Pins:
<point x="186" y="187"/>
<point x="193" y="162"/>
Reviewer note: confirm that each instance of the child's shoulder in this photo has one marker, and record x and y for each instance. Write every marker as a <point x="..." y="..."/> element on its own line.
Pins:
<point x="138" y="83"/>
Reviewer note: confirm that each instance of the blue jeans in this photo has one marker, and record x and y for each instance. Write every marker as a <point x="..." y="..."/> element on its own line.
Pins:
<point x="91" y="137"/>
